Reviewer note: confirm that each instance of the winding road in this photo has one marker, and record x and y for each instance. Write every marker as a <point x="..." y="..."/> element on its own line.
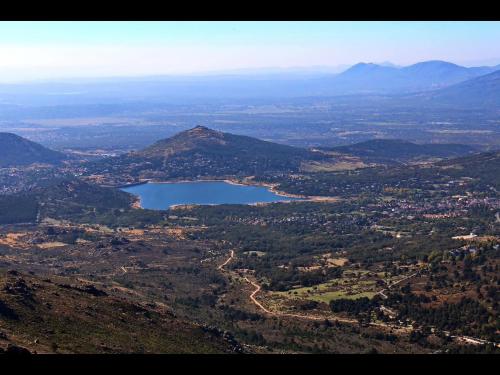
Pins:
<point x="231" y="256"/>
<point x="254" y="293"/>
<point x="471" y="340"/>
<point x="273" y="313"/>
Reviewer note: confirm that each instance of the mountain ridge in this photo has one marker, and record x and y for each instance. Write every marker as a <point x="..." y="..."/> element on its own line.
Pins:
<point x="476" y="92"/>
<point x="18" y="151"/>
<point x="422" y="76"/>
<point x="391" y="150"/>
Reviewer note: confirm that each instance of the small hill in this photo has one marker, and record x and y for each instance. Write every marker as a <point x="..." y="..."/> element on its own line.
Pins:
<point x="41" y="194"/>
<point x="394" y="150"/>
<point x="211" y="142"/>
<point x="483" y="167"/>
<point x="203" y="152"/>
<point x="18" y="151"/>
<point x="70" y="197"/>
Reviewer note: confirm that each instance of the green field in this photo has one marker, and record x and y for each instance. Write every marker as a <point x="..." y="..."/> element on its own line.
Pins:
<point x="324" y="293"/>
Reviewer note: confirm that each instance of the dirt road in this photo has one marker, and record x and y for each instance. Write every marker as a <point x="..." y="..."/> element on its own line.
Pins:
<point x="291" y="315"/>
<point x="254" y="293"/>
<point x="407" y="330"/>
<point x="257" y="289"/>
<point x="231" y="256"/>
<point x="396" y="283"/>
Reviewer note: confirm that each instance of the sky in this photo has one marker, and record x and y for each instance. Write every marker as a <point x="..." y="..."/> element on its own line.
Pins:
<point x="48" y="50"/>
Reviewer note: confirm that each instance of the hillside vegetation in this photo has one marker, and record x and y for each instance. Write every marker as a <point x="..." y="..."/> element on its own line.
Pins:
<point x="57" y="315"/>
<point x="394" y="150"/>
<point x="203" y="152"/>
<point x="18" y="151"/>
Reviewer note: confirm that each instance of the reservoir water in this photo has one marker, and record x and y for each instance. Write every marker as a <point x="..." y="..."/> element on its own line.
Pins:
<point x="160" y="196"/>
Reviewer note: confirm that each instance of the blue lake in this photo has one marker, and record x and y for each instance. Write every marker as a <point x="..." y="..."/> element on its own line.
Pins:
<point x="160" y="196"/>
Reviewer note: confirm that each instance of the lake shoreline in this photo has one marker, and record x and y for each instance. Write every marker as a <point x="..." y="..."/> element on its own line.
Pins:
<point x="273" y="188"/>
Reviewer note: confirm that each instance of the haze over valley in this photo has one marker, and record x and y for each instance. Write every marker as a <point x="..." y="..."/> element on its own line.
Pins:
<point x="187" y="205"/>
<point x="428" y="102"/>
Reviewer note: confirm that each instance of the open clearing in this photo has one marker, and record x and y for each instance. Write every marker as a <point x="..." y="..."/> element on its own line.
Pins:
<point x="50" y="245"/>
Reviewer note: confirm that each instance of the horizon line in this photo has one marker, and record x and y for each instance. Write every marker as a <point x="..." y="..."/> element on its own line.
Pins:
<point x="249" y="71"/>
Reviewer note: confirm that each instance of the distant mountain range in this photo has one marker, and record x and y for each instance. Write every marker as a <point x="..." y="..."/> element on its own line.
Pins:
<point x="18" y="151"/>
<point x="362" y="78"/>
<point x="388" y="151"/>
<point x="428" y="75"/>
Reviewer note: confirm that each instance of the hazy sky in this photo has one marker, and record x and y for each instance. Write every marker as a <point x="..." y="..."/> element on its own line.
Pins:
<point x="33" y="50"/>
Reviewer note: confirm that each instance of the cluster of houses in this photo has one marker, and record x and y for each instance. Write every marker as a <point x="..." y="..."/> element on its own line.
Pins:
<point x="467" y="249"/>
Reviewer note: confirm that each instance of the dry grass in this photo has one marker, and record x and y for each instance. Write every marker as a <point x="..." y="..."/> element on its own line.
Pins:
<point x="51" y="245"/>
<point x="342" y="165"/>
<point x="13" y="239"/>
<point x="338" y="262"/>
